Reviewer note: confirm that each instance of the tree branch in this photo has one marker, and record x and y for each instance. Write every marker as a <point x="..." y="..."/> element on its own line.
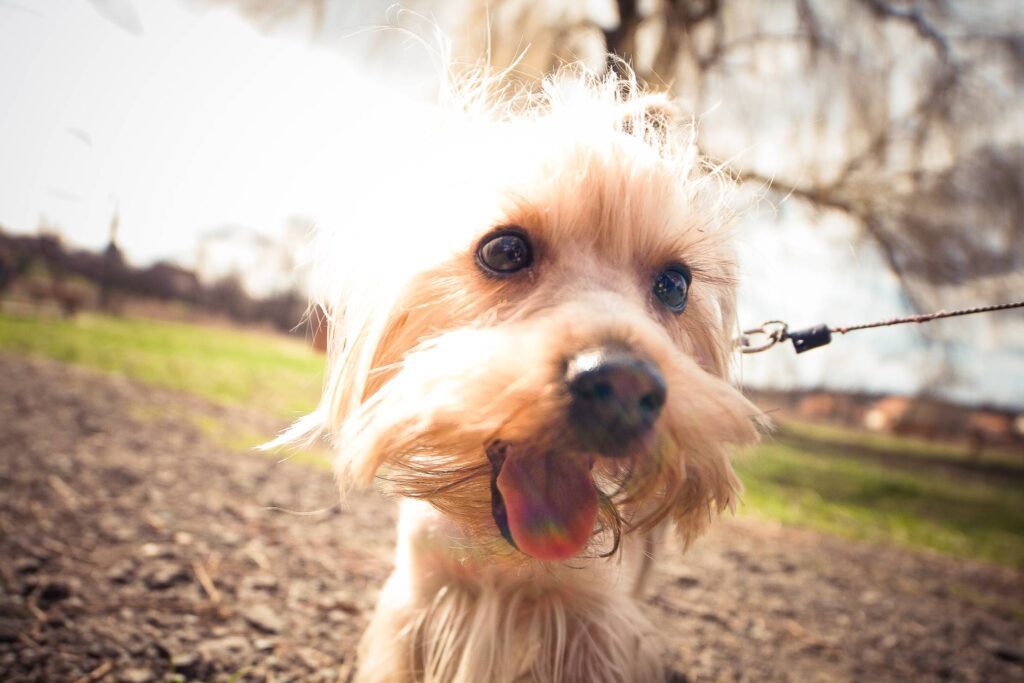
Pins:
<point x="916" y="21"/>
<point x="870" y="221"/>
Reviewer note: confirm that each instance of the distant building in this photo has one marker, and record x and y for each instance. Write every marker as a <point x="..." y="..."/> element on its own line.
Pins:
<point x="935" y="419"/>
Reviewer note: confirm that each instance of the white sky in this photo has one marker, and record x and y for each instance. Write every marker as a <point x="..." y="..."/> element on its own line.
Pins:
<point x="186" y="126"/>
<point x="202" y="121"/>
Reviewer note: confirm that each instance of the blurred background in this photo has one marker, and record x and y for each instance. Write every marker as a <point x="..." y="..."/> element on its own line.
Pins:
<point x="162" y="163"/>
<point x="878" y="146"/>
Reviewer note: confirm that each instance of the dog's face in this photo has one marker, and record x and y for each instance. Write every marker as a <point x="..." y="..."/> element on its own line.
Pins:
<point x="544" y="356"/>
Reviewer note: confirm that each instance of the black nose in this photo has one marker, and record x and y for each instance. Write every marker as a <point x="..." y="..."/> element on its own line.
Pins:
<point x="616" y="395"/>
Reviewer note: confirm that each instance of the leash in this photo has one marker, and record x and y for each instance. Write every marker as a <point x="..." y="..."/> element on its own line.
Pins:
<point x="776" y="331"/>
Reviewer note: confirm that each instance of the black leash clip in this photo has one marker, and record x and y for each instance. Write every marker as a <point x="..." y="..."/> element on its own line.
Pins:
<point x="774" y="331"/>
<point x="811" y="338"/>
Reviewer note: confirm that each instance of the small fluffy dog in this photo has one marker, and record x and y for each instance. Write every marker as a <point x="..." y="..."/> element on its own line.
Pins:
<point x="530" y="344"/>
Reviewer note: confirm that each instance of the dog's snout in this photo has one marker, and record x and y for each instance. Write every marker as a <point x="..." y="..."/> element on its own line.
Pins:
<point x="615" y="397"/>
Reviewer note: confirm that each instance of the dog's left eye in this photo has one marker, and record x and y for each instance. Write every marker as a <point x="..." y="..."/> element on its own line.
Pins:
<point x="505" y="252"/>
<point x="672" y="287"/>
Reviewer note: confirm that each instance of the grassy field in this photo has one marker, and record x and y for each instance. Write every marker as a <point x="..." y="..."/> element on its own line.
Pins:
<point x="268" y="372"/>
<point x="882" y="489"/>
<point x="955" y="513"/>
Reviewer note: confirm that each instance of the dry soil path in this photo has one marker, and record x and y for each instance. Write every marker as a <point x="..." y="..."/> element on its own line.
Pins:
<point x="133" y="547"/>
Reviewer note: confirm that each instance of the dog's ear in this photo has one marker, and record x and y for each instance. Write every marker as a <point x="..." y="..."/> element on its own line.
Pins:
<point x="705" y="493"/>
<point x="712" y="427"/>
<point x="367" y="345"/>
<point x="360" y="341"/>
<point x="363" y="348"/>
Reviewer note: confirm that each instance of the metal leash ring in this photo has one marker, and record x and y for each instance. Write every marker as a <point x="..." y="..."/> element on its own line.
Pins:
<point x="774" y="331"/>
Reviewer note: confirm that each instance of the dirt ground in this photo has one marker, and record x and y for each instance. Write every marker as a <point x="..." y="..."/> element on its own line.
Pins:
<point x="134" y="548"/>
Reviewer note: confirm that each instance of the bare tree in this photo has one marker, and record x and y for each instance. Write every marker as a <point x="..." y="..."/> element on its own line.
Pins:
<point x="904" y="116"/>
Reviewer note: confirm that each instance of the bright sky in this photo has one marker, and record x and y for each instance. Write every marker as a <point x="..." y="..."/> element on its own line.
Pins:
<point x="187" y="126"/>
<point x="202" y="121"/>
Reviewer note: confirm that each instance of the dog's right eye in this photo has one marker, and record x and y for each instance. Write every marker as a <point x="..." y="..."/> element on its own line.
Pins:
<point x="504" y="252"/>
<point x="672" y="287"/>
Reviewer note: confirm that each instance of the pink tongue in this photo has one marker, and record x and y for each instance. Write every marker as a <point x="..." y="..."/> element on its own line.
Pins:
<point x="551" y="503"/>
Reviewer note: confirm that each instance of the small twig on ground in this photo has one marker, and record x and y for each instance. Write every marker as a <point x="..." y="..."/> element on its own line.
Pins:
<point x="97" y="673"/>
<point x="27" y="640"/>
<point x="258" y="557"/>
<point x="154" y="522"/>
<point x="206" y="582"/>
<point x="32" y="602"/>
<point x="71" y="498"/>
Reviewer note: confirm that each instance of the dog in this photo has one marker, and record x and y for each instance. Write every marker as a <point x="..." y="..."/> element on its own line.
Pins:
<point x="530" y="345"/>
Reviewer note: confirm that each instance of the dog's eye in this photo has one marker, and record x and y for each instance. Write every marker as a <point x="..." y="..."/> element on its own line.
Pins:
<point x="672" y="287"/>
<point x="504" y="252"/>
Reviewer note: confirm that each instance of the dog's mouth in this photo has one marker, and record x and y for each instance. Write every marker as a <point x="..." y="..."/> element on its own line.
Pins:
<point x="544" y="504"/>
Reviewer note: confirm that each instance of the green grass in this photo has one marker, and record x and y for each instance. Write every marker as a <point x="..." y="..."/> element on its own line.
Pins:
<point x="267" y="372"/>
<point x="879" y="488"/>
<point x="964" y="516"/>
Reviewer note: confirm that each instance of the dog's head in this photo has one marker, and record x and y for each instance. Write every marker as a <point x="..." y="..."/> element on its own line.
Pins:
<point x="535" y="336"/>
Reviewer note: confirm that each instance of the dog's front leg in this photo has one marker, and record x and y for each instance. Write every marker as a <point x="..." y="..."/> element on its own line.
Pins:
<point x="385" y="650"/>
<point x="391" y="649"/>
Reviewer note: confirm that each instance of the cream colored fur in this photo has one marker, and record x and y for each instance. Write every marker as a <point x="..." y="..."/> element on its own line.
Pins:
<point x="431" y="360"/>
